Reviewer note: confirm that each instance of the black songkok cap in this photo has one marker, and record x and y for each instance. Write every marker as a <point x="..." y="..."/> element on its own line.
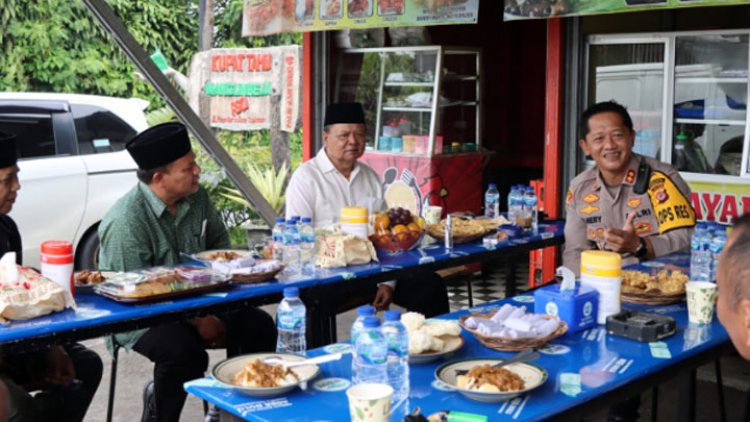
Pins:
<point x="159" y="145"/>
<point x="8" y="153"/>
<point x="344" y="113"/>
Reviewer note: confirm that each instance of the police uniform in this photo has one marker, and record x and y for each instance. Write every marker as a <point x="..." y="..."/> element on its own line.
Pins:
<point x="663" y="211"/>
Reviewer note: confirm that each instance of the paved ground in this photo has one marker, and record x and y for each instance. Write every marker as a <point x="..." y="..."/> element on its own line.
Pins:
<point x="134" y="371"/>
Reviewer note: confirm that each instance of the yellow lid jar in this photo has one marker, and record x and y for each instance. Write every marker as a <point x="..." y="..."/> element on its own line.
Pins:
<point x="602" y="271"/>
<point x="354" y="220"/>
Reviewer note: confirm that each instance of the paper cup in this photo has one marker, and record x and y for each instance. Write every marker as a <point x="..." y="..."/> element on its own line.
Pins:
<point x="432" y="214"/>
<point x="701" y="299"/>
<point x="370" y="402"/>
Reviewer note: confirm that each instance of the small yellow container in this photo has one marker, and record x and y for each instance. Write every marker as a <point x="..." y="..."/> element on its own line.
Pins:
<point x="354" y="220"/>
<point x="602" y="271"/>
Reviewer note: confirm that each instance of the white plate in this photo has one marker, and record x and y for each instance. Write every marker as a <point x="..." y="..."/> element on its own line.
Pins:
<point x="208" y="255"/>
<point x="451" y="345"/>
<point x="225" y="370"/>
<point x="533" y="376"/>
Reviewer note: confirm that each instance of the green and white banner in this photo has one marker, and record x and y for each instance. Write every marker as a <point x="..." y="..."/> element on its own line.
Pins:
<point x="542" y="9"/>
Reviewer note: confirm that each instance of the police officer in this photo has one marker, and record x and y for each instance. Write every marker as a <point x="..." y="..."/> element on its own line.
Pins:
<point x="627" y="203"/>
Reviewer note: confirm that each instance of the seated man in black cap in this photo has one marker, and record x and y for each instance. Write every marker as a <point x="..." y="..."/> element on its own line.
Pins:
<point x="166" y="213"/>
<point x="334" y="179"/>
<point x="66" y="377"/>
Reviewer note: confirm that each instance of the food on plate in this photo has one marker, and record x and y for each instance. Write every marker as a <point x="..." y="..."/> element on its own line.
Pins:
<point x="513" y="322"/>
<point x="89" y="277"/>
<point x="161" y="275"/>
<point x="428" y="336"/>
<point x="665" y="282"/>
<point x="331" y="7"/>
<point x="391" y="7"/>
<point x="359" y="7"/>
<point x="223" y="256"/>
<point x="260" y="13"/>
<point x="487" y="379"/>
<point x="397" y="229"/>
<point x="260" y="374"/>
<point x="461" y="228"/>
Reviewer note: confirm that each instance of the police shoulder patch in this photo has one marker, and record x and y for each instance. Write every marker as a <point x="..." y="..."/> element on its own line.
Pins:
<point x="673" y="210"/>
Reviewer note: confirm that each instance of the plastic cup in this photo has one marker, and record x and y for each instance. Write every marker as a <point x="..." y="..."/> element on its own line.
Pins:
<point x="701" y="299"/>
<point x="370" y="402"/>
<point x="432" y="214"/>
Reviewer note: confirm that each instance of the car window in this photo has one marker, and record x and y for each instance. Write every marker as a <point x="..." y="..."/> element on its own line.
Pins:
<point x="99" y="130"/>
<point x="34" y="135"/>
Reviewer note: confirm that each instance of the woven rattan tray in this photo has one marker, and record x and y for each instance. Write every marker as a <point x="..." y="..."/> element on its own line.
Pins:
<point x="507" y="344"/>
<point x="437" y="231"/>
<point x="256" y="277"/>
<point x="652" y="298"/>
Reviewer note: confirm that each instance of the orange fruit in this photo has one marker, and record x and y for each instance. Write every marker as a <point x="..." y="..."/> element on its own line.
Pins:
<point x="414" y="228"/>
<point x="382" y="221"/>
<point x="420" y="222"/>
<point x="400" y="228"/>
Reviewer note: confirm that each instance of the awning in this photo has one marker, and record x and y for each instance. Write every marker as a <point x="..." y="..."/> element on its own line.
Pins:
<point x="265" y="17"/>
<point x="542" y="9"/>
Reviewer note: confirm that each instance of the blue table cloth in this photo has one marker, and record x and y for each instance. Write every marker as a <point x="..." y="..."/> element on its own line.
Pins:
<point x="94" y="311"/>
<point x="581" y="366"/>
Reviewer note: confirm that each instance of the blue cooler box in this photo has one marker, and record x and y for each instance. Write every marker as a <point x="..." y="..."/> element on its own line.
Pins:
<point x="576" y="307"/>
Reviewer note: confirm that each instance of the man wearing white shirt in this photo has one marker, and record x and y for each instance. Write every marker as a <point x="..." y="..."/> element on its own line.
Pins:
<point x="334" y="179"/>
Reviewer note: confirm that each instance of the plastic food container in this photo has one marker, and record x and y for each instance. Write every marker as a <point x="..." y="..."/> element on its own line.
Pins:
<point x="384" y="143"/>
<point x="354" y="221"/>
<point x="57" y="263"/>
<point x="602" y="271"/>
<point x="397" y="145"/>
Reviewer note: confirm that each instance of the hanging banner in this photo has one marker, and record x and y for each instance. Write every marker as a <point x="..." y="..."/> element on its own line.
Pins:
<point x="265" y="17"/>
<point x="541" y="9"/>
<point x="243" y="87"/>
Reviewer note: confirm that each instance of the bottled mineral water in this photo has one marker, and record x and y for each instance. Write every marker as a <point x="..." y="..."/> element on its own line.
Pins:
<point x="290" y="322"/>
<point x="529" y="203"/>
<point x="700" y="258"/>
<point x="291" y="247"/>
<point x="515" y="202"/>
<point x="359" y="323"/>
<point x="695" y="250"/>
<point x="307" y="246"/>
<point x="369" y="361"/>
<point x="492" y="201"/>
<point x="398" y="355"/>
<point x="717" y="245"/>
<point x="277" y="239"/>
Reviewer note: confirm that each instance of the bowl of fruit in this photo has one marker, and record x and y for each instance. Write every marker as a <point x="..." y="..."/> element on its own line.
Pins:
<point x="397" y="230"/>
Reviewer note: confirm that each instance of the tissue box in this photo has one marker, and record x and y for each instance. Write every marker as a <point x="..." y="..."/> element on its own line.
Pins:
<point x="577" y="307"/>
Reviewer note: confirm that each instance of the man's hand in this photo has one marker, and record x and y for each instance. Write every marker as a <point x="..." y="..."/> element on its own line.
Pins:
<point x="211" y="330"/>
<point x="60" y="369"/>
<point x="383" y="297"/>
<point x="625" y="239"/>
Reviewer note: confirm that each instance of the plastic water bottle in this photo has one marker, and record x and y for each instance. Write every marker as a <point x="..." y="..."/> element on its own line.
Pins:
<point x="529" y="203"/>
<point x="695" y="251"/>
<point x="717" y="245"/>
<point x="369" y="361"/>
<point x="290" y="322"/>
<point x="291" y="247"/>
<point x="277" y="239"/>
<point x="514" y="199"/>
<point x="492" y="201"/>
<point x="307" y="246"/>
<point x="359" y="323"/>
<point x="398" y="355"/>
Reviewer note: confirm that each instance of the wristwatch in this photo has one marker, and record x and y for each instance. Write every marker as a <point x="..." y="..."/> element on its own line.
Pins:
<point x="642" y="250"/>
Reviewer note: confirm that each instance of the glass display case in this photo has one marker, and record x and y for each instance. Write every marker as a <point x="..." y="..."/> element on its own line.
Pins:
<point x="418" y="100"/>
<point x="687" y="94"/>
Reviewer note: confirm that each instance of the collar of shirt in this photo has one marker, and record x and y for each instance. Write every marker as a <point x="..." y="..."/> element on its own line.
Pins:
<point x="628" y="179"/>
<point x="326" y="166"/>
<point x="158" y="206"/>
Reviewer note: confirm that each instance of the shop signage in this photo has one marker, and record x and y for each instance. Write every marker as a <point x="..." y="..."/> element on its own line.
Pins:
<point x="536" y="9"/>
<point x="236" y="87"/>
<point x="264" y="17"/>
<point x="720" y="202"/>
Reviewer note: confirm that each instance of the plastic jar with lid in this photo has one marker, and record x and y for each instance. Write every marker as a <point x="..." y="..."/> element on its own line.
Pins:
<point x="354" y="221"/>
<point x="57" y="263"/>
<point x="602" y="271"/>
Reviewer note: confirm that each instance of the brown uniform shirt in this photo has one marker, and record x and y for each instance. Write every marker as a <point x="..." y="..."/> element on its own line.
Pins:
<point x="663" y="213"/>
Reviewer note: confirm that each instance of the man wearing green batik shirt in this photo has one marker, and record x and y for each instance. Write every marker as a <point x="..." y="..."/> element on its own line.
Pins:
<point x="166" y="213"/>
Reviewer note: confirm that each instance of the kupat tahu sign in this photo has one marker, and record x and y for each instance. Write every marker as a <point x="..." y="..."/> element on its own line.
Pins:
<point x="242" y="87"/>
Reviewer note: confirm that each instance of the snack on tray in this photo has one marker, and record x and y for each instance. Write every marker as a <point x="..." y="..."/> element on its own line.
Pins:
<point x="260" y="374"/>
<point x="195" y="274"/>
<point x="513" y="322"/>
<point x="665" y="282"/>
<point x="25" y="294"/>
<point x="223" y="256"/>
<point x="86" y="277"/>
<point x="487" y="379"/>
<point x="428" y="336"/>
<point x="160" y="275"/>
<point x="462" y="229"/>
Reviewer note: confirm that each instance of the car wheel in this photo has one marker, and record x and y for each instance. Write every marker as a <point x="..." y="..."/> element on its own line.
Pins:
<point x="87" y="255"/>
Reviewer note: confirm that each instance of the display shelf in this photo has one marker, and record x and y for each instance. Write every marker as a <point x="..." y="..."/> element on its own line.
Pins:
<point x="711" y="122"/>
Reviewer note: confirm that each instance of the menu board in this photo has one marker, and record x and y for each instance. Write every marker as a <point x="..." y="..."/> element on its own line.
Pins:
<point x="265" y="17"/>
<point x="541" y="9"/>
